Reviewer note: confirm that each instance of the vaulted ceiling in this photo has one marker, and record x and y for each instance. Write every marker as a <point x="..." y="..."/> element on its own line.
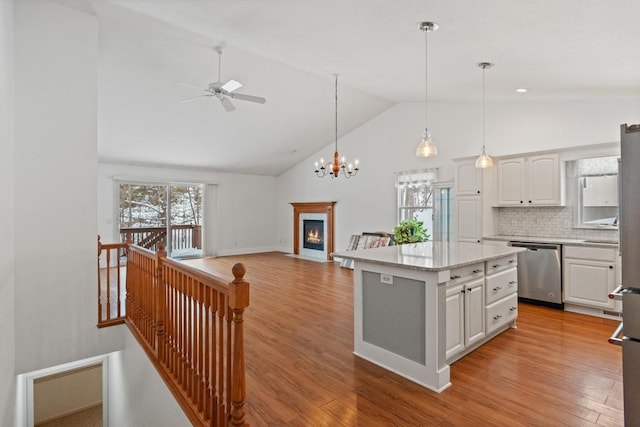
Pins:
<point x="287" y="51"/>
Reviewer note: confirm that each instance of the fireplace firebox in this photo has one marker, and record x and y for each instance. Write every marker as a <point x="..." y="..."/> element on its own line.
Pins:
<point x="313" y="237"/>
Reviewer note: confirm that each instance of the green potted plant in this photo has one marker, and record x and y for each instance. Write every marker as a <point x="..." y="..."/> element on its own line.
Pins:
<point x="410" y="231"/>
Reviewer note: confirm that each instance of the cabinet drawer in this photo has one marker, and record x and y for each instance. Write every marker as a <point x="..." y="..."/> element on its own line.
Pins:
<point x="589" y="252"/>
<point x="499" y="264"/>
<point x="501" y="312"/>
<point x="501" y="284"/>
<point x="466" y="273"/>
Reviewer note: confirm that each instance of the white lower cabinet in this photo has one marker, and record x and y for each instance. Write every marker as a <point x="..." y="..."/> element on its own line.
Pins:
<point x="465" y="315"/>
<point x="480" y="299"/>
<point x="474" y="312"/>
<point x="502" y="312"/>
<point x="590" y="275"/>
<point x="501" y="292"/>
<point x="455" y="320"/>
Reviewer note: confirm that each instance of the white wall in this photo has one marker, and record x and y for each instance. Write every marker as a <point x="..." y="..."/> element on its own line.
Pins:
<point x="244" y="209"/>
<point x="137" y="394"/>
<point x="7" y="280"/>
<point x="387" y="143"/>
<point x="55" y="188"/>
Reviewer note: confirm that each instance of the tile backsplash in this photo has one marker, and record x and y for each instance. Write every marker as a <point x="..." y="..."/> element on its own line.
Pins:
<point x="546" y="222"/>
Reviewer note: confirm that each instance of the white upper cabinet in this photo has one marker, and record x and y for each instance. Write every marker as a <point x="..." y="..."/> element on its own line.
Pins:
<point x="468" y="178"/>
<point x="511" y="181"/>
<point x="543" y="180"/>
<point x="530" y="181"/>
<point x="469" y="219"/>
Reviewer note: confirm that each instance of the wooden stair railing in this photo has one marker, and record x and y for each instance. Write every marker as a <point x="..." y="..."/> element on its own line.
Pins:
<point x="111" y="286"/>
<point x="190" y="323"/>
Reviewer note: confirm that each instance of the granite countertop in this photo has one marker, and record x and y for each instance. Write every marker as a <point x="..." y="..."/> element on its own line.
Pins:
<point x="430" y="256"/>
<point x="557" y="240"/>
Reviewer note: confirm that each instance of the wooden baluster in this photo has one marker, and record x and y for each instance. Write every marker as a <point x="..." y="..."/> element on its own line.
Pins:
<point x="189" y="338"/>
<point x="239" y="301"/>
<point x="160" y="302"/>
<point x="99" y="284"/>
<point x="118" y="288"/>
<point x="108" y="284"/>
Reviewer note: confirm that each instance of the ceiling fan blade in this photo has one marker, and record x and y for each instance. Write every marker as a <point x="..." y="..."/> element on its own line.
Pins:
<point x="226" y="103"/>
<point x="231" y="85"/>
<point x="189" y="85"/>
<point x="194" y="97"/>
<point x="250" y="98"/>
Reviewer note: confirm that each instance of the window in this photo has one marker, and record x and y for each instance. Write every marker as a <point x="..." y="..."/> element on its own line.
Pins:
<point x="171" y="213"/>
<point x="415" y="196"/>
<point x="597" y="182"/>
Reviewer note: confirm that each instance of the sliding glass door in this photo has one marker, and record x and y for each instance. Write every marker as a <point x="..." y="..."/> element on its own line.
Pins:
<point x="169" y="213"/>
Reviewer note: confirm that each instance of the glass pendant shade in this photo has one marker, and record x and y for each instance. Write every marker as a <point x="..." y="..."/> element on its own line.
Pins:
<point x="484" y="161"/>
<point x="426" y="148"/>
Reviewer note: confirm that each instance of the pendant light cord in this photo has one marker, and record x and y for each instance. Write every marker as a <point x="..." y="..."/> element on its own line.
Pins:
<point x="484" y="107"/>
<point x="336" y="102"/>
<point x="426" y="78"/>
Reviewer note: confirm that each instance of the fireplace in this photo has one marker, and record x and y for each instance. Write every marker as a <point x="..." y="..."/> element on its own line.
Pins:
<point x="313" y="234"/>
<point x="315" y="212"/>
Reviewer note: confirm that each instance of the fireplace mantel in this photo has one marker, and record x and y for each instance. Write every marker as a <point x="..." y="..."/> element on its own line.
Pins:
<point x="313" y="207"/>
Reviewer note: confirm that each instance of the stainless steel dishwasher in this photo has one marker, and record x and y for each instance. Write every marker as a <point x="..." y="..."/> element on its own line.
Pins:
<point x="540" y="273"/>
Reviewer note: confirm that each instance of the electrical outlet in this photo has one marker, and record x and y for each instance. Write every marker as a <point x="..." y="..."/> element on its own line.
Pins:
<point x="386" y="278"/>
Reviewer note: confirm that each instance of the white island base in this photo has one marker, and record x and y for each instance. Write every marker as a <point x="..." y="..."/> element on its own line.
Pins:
<point x="414" y="316"/>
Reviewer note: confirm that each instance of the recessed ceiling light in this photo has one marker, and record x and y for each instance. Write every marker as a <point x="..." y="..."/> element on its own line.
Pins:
<point x="522" y="90"/>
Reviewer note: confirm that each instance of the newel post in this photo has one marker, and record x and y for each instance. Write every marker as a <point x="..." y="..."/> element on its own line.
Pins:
<point x="158" y="296"/>
<point x="238" y="301"/>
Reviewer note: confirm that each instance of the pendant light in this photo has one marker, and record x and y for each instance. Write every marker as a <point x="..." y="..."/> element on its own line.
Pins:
<point x="426" y="148"/>
<point x="333" y="169"/>
<point x="484" y="161"/>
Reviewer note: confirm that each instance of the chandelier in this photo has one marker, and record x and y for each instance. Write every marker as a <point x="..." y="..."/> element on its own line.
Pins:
<point x="426" y="148"/>
<point x="333" y="169"/>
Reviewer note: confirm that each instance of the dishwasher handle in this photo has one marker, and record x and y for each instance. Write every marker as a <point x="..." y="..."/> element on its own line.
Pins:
<point x="534" y="246"/>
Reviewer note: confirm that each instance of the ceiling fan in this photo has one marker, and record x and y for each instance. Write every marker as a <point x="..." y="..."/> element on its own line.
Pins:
<point x="224" y="91"/>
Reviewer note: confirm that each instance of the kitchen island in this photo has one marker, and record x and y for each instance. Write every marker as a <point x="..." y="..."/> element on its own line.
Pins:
<point x="418" y="307"/>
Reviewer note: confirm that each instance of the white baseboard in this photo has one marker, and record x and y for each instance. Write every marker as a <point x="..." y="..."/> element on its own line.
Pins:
<point x="245" y="251"/>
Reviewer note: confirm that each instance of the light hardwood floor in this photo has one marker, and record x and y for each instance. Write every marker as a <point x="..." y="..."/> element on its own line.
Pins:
<point x="555" y="369"/>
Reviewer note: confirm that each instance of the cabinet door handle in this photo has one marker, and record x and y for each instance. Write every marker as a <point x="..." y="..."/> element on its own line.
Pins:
<point x="512" y="309"/>
<point x="455" y="277"/>
<point x="477" y="271"/>
<point x="513" y="282"/>
<point x="497" y="288"/>
<point x="496" y="265"/>
<point x="611" y="266"/>
<point x="497" y="317"/>
<point x="521" y="201"/>
<point x="511" y="261"/>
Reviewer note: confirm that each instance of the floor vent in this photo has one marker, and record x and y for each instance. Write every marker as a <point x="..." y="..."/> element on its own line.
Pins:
<point x="611" y="313"/>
